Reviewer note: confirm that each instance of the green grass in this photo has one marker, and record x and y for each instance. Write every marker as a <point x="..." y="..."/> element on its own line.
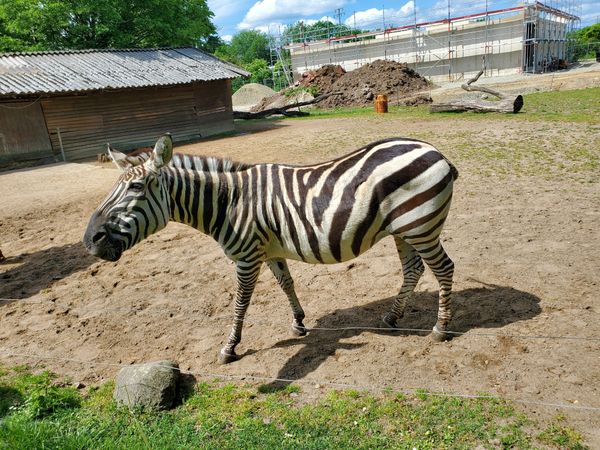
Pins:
<point x="582" y="105"/>
<point x="225" y="416"/>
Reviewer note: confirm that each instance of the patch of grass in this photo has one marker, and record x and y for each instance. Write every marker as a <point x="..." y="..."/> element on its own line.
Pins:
<point x="581" y="105"/>
<point x="35" y="396"/>
<point x="560" y="435"/>
<point x="231" y="416"/>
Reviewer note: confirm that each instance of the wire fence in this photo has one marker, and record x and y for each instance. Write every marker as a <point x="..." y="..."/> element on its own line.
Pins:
<point x="306" y="380"/>
<point x="248" y="321"/>
<point x="373" y="388"/>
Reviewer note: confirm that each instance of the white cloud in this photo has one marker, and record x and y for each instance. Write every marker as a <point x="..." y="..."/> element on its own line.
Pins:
<point x="227" y="38"/>
<point x="264" y="12"/>
<point x="373" y="18"/>
<point x="590" y="12"/>
<point x="313" y="21"/>
<point x="226" y="8"/>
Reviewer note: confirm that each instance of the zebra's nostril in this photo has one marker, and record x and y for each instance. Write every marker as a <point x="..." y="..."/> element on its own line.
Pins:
<point x="99" y="236"/>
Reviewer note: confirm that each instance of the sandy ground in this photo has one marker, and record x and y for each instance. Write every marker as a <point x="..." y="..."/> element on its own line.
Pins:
<point x="525" y="248"/>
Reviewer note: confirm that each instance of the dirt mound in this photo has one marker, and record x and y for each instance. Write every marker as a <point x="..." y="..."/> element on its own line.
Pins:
<point x="323" y="78"/>
<point x="249" y="95"/>
<point x="391" y="78"/>
<point x="400" y="83"/>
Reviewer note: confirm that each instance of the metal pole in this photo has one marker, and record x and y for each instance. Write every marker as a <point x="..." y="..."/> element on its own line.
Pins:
<point x="384" y="37"/>
<point x="62" y="150"/>
<point x="449" y="46"/>
<point x="415" y="35"/>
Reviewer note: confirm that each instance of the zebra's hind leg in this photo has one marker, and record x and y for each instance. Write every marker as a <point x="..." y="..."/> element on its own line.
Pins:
<point x="281" y="271"/>
<point x="442" y="267"/>
<point x="412" y="269"/>
<point x="247" y="274"/>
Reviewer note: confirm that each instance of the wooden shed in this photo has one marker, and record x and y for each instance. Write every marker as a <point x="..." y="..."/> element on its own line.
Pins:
<point x="72" y="103"/>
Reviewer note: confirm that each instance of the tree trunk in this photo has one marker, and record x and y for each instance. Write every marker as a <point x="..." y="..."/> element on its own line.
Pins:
<point x="509" y="104"/>
<point x="282" y="110"/>
<point x="506" y="104"/>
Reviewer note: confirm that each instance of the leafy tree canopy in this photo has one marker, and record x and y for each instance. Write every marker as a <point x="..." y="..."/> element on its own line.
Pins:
<point x="323" y="29"/>
<point x="587" y="41"/>
<point x="588" y="34"/>
<point x="245" y="47"/>
<point x="27" y="25"/>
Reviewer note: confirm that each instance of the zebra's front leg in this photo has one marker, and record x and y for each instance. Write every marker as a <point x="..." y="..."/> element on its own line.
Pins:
<point x="247" y="274"/>
<point x="281" y="271"/>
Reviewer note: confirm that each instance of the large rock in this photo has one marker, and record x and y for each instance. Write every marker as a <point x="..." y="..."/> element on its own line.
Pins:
<point x="150" y="385"/>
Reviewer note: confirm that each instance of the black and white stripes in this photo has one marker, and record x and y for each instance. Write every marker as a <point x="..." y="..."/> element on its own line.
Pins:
<point x="326" y="213"/>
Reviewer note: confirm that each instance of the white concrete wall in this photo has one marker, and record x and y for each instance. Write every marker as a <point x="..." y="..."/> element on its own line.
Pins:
<point x="427" y="50"/>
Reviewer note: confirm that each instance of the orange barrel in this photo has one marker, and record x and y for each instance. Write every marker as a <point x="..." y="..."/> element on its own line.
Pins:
<point x="381" y="104"/>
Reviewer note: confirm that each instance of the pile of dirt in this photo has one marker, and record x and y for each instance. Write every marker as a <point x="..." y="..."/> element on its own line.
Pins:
<point x="322" y="79"/>
<point x="249" y="95"/>
<point x="401" y="84"/>
<point x="396" y="80"/>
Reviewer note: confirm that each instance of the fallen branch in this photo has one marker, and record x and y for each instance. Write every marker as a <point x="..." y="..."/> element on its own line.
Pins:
<point x="283" y="110"/>
<point x="506" y="104"/>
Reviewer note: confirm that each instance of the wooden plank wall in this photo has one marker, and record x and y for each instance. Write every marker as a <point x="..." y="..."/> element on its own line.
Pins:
<point x="136" y="118"/>
<point x="23" y="133"/>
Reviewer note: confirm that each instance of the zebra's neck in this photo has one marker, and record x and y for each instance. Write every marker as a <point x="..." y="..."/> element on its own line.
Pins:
<point x="200" y="198"/>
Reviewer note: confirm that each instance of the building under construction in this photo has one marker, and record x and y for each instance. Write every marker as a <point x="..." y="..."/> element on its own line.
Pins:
<point x="526" y="38"/>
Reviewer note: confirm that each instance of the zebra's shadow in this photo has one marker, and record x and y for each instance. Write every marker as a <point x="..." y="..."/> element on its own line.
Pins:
<point x="487" y="307"/>
<point x="39" y="270"/>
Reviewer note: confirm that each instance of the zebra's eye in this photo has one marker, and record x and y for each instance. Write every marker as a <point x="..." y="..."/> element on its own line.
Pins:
<point x="136" y="186"/>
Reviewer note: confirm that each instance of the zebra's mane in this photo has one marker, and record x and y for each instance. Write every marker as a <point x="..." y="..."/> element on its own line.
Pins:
<point x="191" y="162"/>
<point x="207" y="163"/>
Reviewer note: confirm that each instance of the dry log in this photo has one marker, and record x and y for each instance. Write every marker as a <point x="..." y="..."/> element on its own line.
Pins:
<point x="284" y="110"/>
<point x="511" y="104"/>
<point x="506" y="104"/>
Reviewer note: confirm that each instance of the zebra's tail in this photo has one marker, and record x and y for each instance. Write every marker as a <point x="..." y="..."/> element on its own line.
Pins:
<point x="453" y="169"/>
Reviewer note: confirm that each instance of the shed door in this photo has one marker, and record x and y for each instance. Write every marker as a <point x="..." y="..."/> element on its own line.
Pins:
<point x="23" y="132"/>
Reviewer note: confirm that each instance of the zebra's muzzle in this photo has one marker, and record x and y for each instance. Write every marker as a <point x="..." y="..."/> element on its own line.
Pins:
<point x="99" y="243"/>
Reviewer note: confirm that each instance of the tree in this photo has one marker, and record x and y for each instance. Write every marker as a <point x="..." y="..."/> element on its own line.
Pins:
<point x="586" y="41"/>
<point x="323" y="29"/>
<point x="260" y="71"/>
<point x="245" y="47"/>
<point x="78" y="24"/>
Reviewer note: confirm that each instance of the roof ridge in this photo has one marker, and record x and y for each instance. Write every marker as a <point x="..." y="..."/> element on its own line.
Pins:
<point x="96" y="50"/>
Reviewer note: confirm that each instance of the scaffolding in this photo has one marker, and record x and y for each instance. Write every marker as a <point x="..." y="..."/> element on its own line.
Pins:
<point x="546" y="36"/>
<point x="527" y="37"/>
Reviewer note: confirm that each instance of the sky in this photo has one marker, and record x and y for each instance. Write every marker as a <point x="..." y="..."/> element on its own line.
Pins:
<point x="233" y="16"/>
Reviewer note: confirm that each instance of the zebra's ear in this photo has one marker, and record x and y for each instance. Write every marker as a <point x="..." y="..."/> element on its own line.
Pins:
<point x="120" y="159"/>
<point x="162" y="153"/>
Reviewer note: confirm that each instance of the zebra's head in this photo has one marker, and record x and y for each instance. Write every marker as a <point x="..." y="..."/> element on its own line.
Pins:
<point x="137" y="206"/>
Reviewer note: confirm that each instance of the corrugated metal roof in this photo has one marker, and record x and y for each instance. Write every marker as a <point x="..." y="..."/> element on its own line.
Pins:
<point x="91" y="70"/>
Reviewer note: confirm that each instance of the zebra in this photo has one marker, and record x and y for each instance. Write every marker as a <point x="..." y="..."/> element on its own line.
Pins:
<point x="267" y="213"/>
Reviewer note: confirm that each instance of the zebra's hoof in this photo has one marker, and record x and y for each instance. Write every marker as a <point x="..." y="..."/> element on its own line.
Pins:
<point x="298" y="330"/>
<point x="439" y="336"/>
<point x="227" y="357"/>
<point x="390" y="320"/>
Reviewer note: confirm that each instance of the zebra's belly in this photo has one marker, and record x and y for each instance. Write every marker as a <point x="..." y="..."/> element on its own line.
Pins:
<point x="319" y="251"/>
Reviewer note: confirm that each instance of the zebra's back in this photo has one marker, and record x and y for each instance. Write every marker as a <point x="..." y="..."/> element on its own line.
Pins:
<point x="341" y="208"/>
